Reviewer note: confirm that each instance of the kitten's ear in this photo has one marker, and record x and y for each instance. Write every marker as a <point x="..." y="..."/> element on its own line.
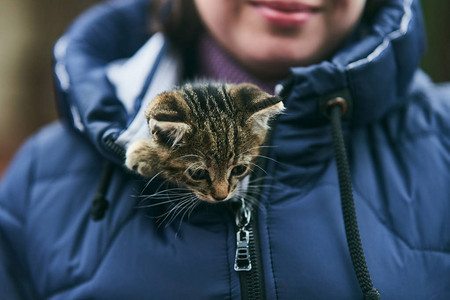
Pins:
<point x="260" y="106"/>
<point x="168" y="133"/>
<point x="166" y="119"/>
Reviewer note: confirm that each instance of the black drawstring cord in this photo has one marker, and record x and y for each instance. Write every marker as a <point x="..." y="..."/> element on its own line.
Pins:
<point x="99" y="202"/>
<point x="336" y="108"/>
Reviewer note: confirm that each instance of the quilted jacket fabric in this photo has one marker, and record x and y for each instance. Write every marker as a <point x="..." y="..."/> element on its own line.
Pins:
<point x="398" y="142"/>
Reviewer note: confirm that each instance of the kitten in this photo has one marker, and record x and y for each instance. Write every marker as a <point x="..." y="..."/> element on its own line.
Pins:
<point x="205" y="136"/>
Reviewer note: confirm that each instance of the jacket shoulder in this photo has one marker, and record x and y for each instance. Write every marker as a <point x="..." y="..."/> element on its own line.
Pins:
<point x="402" y="160"/>
<point x="431" y="100"/>
<point x="424" y="113"/>
<point x="59" y="150"/>
<point x="53" y="152"/>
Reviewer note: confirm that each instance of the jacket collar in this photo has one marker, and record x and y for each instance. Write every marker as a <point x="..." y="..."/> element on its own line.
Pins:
<point x="152" y="70"/>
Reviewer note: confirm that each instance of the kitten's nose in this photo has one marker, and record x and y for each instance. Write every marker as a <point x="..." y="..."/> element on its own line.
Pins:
<point x="220" y="198"/>
<point x="220" y="191"/>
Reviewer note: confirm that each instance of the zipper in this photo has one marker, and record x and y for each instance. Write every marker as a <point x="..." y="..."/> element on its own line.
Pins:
<point x="242" y="261"/>
<point x="114" y="148"/>
<point x="248" y="254"/>
<point x="251" y="280"/>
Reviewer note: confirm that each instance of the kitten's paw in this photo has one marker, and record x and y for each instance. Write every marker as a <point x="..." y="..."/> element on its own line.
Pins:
<point x="137" y="158"/>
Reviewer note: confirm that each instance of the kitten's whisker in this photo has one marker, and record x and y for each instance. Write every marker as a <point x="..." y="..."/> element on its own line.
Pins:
<point x="159" y="200"/>
<point x="174" y="206"/>
<point x="166" y="214"/>
<point x="189" y="207"/>
<point x="202" y="155"/>
<point x="254" y="171"/>
<point x="176" y="189"/>
<point x="261" y="180"/>
<point x="195" y="166"/>
<point x="160" y="203"/>
<point x="150" y="181"/>
<point x="262" y="189"/>
<point x="154" y="198"/>
<point x="256" y="165"/>
<point x="265" y="157"/>
<point x="165" y="193"/>
<point x="170" y="217"/>
<point x="175" y="194"/>
<point x="196" y="203"/>
<point x="163" y="197"/>
<point x="178" y="209"/>
<point x="158" y="189"/>
<point x="253" y="201"/>
<point x="259" y="185"/>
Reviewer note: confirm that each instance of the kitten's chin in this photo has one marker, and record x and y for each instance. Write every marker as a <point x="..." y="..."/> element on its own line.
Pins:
<point x="213" y="200"/>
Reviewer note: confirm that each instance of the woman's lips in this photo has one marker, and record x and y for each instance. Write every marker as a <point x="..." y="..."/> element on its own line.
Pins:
<point x="284" y="13"/>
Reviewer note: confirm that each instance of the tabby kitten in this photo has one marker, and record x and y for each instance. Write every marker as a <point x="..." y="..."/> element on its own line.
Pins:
<point x="205" y="136"/>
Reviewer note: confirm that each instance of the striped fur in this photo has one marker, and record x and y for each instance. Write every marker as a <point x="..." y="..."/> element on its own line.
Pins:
<point x="205" y="136"/>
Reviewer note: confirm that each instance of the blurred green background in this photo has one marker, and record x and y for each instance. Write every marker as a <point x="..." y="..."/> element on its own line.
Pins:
<point x="29" y="28"/>
<point x="437" y="24"/>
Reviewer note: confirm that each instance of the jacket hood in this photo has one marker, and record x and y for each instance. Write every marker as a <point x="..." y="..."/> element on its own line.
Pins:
<point x="107" y="70"/>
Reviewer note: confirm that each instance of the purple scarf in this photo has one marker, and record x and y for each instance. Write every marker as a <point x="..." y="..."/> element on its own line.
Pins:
<point x="216" y="64"/>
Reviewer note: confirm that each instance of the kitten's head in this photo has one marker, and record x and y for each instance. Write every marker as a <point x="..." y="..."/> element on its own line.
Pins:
<point x="208" y="135"/>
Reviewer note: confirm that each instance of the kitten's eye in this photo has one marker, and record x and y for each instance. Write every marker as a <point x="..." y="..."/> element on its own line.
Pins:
<point x="238" y="170"/>
<point x="198" y="174"/>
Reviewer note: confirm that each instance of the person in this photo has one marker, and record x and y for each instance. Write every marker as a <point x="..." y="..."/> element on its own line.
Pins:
<point x="75" y="224"/>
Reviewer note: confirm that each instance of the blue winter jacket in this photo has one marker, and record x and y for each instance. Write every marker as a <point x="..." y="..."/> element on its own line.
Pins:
<point x="107" y="68"/>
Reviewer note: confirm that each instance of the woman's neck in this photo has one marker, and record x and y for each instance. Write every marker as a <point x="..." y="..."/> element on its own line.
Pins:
<point x="216" y="64"/>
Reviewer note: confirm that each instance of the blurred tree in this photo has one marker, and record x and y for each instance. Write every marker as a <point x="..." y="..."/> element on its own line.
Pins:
<point x="437" y="23"/>
<point x="28" y="30"/>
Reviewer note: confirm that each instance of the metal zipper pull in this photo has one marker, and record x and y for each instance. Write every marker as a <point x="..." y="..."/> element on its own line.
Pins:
<point x="242" y="260"/>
